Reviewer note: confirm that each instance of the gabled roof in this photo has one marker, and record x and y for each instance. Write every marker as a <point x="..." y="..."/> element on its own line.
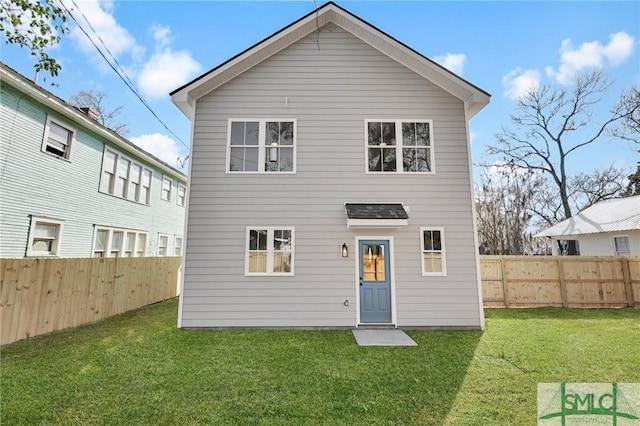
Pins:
<point x="618" y="215"/>
<point x="16" y="80"/>
<point x="473" y="97"/>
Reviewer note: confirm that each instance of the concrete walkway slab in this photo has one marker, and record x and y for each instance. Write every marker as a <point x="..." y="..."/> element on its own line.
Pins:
<point x="382" y="337"/>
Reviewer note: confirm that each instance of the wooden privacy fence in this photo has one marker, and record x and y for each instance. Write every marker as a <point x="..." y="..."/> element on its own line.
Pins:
<point x="38" y="296"/>
<point x="567" y="281"/>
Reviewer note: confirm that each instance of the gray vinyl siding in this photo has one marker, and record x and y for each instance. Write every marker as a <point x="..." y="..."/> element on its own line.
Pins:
<point x="331" y="90"/>
<point x="39" y="184"/>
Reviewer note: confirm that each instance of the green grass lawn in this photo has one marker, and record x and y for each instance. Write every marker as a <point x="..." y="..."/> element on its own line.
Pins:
<point x="139" y="369"/>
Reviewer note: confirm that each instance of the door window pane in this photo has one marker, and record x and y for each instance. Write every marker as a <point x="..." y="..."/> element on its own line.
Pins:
<point x="373" y="264"/>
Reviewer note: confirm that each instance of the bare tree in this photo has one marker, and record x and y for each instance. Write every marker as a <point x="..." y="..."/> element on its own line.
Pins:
<point x="95" y="101"/>
<point x="504" y="203"/>
<point x="629" y="127"/>
<point x="551" y="123"/>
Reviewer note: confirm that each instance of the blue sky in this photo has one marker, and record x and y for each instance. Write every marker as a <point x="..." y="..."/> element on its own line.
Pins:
<point x="499" y="46"/>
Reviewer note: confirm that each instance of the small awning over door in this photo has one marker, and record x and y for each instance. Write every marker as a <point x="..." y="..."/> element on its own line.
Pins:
<point x="376" y="215"/>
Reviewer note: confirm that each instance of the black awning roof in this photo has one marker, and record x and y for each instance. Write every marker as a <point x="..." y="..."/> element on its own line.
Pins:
<point x="376" y="211"/>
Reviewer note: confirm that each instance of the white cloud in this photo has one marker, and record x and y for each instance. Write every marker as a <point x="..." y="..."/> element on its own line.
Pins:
<point x="96" y="15"/>
<point x="162" y="35"/>
<point x="591" y="55"/>
<point x="454" y="62"/>
<point x="161" y="146"/>
<point x="518" y="83"/>
<point x="165" y="71"/>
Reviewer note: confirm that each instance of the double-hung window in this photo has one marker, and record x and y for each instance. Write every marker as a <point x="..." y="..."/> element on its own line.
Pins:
<point x="167" y="185"/>
<point x="399" y="146"/>
<point x="269" y="251"/>
<point x="125" y="178"/>
<point x="177" y="245"/>
<point x="433" y="260"/>
<point x="262" y="146"/>
<point x="163" y="245"/>
<point x="181" y="195"/>
<point x="58" y="138"/>
<point x="44" y="237"/>
<point x="621" y="245"/>
<point x="116" y="242"/>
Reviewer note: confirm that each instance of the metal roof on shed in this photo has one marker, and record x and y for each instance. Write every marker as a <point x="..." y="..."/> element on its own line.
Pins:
<point x="621" y="214"/>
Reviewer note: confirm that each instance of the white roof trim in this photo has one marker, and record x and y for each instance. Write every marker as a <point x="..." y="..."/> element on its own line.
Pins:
<point x="474" y="98"/>
<point x="376" y="223"/>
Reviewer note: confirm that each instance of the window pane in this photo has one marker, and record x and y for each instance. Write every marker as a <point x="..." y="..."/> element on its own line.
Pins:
<point x="116" y="240"/>
<point x="272" y="133"/>
<point x="286" y="133"/>
<point x="282" y="261"/>
<point x="60" y="133"/>
<point x="237" y="133"/>
<point x="285" y="163"/>
<point x="436" y="240"/>
<point x="251" y="159"/>
<point x="142" y="244"/>
<point x="416" y="160"/>
<point x="388" y="133"/>
<point x="109" y="161"/>
<point x="432" y="262"/>
<point x="258" y="262"/>
<point x="374" y="133"/>
<point x="258" y="239"/>
<point x="422" y="134"/>
<point x="375" y="165"/>
<point x="236" y="162"/>
<point x="42" y="245"/>
<point x="389" y="163"/>
<point x="282" y="239"/>
<point x="428" y="240"/>
<point x="45" y="230"/>
<point x="408" y="134"/>
<point x="101" y="240"/>
<point x="373" y="263"/>
<point x="622" y="246"/>
<point x="251" y="133"/>
<point x="131" y="241"/>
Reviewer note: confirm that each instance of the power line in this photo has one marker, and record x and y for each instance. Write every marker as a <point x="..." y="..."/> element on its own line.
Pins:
<point x="124" y="78"/>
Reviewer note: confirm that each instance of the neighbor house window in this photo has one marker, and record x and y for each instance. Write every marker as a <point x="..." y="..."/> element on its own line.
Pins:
<point x="397" y="146"/>
<point x="269" y="251"/>
<point x="117" y="242"/>
<point x="261" y="146"/>
<point x="44" y="237"/>
<point x="181" y="195"/>
<point x="58" y="138"/>
<point x="163" y="245"/>
<point x="167" y="184"/>
<point x="432" y="241"/>
<point x="177" y="246"/>
<point x="124" y="178"/>
<point x="621" y="246"/>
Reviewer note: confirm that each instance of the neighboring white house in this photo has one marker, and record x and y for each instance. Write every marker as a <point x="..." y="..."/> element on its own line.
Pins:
<point x="70" y="187"/>
<point x="608" y="228"/>
<point x="330" y="185"/>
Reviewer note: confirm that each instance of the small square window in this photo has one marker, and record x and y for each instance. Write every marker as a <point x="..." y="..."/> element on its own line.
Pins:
<point x="44" y="237"/>
<point x="58" y="138"/>
<point x="621" y="246"/>
<point x="269" y="251"/>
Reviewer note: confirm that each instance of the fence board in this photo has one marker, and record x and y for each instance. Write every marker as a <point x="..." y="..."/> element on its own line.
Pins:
<point x="38" y="296"/>
<point x="580" y="281"/>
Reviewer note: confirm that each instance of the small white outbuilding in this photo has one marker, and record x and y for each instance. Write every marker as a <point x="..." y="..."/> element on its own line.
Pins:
<point x="607" y="228"/>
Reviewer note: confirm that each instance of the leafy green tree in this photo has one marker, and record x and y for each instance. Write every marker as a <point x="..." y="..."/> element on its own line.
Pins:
<point x="35" y="25"/>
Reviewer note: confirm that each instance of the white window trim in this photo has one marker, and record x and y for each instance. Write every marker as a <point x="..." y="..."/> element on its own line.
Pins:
<point x="262" y="124"/>
<point x="399" y="146"/>
<point x="175" y="244"/>
<point x="184" y="196"/>
<point x="168" y="179"/>
<point x="57" y="241"/>
<point x="111" y="188"/>
<point x="613" y="242"/>
<point x="70" y="144"/>
<point x="443" y="250"/>
<point x="111" y="229"/>
<point x="167" y="251"/>
<point x="269" y="272"/>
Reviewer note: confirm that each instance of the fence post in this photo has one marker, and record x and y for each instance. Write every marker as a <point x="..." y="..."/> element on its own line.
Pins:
<point x="505" y="287"/>
<point x="563" y="284"/>
<point x="628" y="289"/>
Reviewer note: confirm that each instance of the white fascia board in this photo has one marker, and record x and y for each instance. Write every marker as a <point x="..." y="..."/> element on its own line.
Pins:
<point x="376" y="223"/>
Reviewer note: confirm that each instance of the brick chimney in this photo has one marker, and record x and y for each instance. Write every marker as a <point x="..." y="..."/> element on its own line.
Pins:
<point x="91" y="113"/>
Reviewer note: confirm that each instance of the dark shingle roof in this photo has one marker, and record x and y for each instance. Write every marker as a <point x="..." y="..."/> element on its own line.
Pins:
<point x="375" y="211"/>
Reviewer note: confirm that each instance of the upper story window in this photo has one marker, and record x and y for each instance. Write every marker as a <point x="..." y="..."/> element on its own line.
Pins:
<point x="269" y="251"/>
<point x="58" y="138"/>
<point x="432" y="241"/>
<point x="181" y="195"/>
<point x="261" y="146"/>
<point x="115" y="242"/>
<point x="167" y="185"/>
<point x="44" y="237"/>
<point x="398" y="146"/>
<point x="125" y="178"/>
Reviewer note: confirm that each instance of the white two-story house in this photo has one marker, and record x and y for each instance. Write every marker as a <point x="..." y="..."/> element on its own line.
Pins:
<point x="330" y="185"/>
<point x="70" y="187"/>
